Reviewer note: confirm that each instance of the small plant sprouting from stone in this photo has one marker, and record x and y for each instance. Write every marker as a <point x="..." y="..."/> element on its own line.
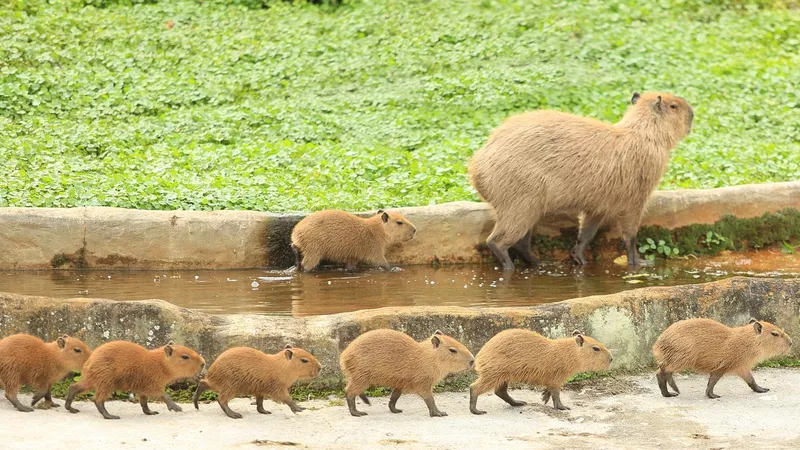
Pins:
<point x="714" y="239"/>
<point x="653" y="248"/>
<point x="787" y="248"/>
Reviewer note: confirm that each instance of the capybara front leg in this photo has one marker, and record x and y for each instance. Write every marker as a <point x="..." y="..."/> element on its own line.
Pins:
<point x="556" y="394"/>
<point x="502" y="392"/>
<point x="751" y="381"/>
<point x="431" y="403"/>
<point x="588" y="230"/>
<point x="712" y="381"/>
<point x="396" y="393"/>
<point x="171" y="405"/>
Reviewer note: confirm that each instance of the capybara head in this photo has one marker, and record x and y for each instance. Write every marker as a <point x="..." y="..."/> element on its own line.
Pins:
<point x="669" y="111"/>
<point x="397" y="227"/>
<point x="452" y="355"/>
<point x="72" y="352"/>
<point x="593" y="354"/>
<point x="771" y="340"/>
<point x="301" y="363"/>
<point x="183" y="362"/>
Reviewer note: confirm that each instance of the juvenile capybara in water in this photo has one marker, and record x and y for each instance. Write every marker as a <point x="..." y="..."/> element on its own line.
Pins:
<point x="526" y="356"/>
<point x="247" y="371"/>
<point x="341" y="237"/>
<point x="548" y="162"/>
<point x="707" y="346"/>
<point x="393" y="359"/>
<point x="125" y="366"/>
<point x="27" y="360"/>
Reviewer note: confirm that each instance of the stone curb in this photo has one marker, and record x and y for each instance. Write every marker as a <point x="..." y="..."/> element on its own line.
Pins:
<point x="627" y="323"/>
<point x="42" y="238"/>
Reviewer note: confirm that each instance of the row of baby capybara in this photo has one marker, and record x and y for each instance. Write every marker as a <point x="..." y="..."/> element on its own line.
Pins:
<point x="382" y="357"/>
<point x="534" y="164"/>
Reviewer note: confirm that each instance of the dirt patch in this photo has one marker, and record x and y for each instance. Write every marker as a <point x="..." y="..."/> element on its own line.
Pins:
<point x="603" y="387"/>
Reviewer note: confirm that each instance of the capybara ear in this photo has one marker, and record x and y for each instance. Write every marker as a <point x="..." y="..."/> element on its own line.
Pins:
<point x="168" y="348"/>
<point x="635" y="98"/>
<point x="657" y="105"/>
<point x="579" y="339"/>
<point x="438" y="332"/>
<point x="576" y="332"/>
<point x="436" y="341"/>
<point x="289" y="354"/>
<point x="62" y="342"/>
<point x="753" y="320"/>
<point x="757" y="326"/>
<point x="385" y="217"/>
<point x="288" y="346"/>
<point x="380" y="211"/>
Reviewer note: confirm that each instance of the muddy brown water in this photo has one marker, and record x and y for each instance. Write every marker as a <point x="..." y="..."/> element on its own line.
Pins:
<point x="334" y="291"/>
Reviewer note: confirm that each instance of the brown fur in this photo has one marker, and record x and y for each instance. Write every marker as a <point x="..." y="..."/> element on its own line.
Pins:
<point x="247" y="371"/>
<point x="525" y="356"/>
<point x="27" y="360"/>
<point x="393" y="359"/>
<point x="707" y="346"/>
<point x="341" y="237"/>
<point x="544" y="162"/>
<point x="126" y="366"/>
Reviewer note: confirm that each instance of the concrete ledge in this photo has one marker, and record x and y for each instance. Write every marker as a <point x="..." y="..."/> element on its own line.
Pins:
<point x="627" y="322"/>
<point x="33" y="238"/>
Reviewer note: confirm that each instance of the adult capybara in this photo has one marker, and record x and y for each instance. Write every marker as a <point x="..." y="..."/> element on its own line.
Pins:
<point x="395" y="360"/>
<point x="126" y="366"/>
<point x="707" y="346"/>
<point x="341" y="237"/>
<point x="247" y="371"/>
<point x="27" y="360"/>
<point x="526" y="356"/>
<point x="547" y="162"/>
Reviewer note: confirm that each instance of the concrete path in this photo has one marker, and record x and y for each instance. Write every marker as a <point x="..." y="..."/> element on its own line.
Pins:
<point x="625" y="413"/>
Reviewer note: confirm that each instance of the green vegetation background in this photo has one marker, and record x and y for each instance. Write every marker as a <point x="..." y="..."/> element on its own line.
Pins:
<point x="279" y="106"/>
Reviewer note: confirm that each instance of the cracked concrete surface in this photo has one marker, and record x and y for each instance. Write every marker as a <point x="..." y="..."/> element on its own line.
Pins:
<point x="611" y="413"/>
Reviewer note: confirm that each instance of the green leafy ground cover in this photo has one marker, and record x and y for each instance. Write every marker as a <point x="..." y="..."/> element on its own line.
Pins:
<point x="217" y="105"/>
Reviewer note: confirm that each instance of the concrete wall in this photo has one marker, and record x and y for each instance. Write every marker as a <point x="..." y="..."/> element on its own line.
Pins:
<point x="627" y="322"/>
<point x="41" y="238"/>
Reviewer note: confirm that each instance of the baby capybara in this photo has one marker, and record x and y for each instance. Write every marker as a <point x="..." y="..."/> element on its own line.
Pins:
<point x="395" y="360"/>
<point x="525" y="356"/>
<point x="707" y="346"/>
<point x="341" y="237"/>
<point x="125" y="366"/>
<point x="545" y="162"/>
<point x="247" y="371"/>
<point x="26" y="359"/>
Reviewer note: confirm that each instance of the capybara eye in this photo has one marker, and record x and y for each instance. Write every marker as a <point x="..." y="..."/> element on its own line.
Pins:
<point x="184" y="356"/>
<point x="673" y="106"/>
<point x="775" y="333"/>
<point x="77" y="350"/>
<point x="399" y="222"/>
<point x="304" y="360"/>
<point x="452" y="350"/>
<point x="596" y="348"/>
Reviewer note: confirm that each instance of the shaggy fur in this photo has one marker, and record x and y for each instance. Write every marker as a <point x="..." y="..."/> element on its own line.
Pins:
<point x="341" y="237"/>
<point x="707" y="346"/>
<point x="125" y="366"/>
<point x="393" y="359"/>
<point x="27" y="360"/>
<point x="544" y="162"/>
<point x="247" y="371"/>
<point x="525" y="356"/>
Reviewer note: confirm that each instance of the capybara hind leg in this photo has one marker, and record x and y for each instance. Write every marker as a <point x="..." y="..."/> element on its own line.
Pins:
<point x="364" y="399"/>
<point x="589" y="226"/>
<point x="712" y="381"/>
<point x="100" y="403"/>
<point x="508" y="230"/>
<point x="260" y="405"/>
<point x="431" y="404"/>
<point x="223" y="403"/>
<point x="310" y="261"/>
<point x="671" y="381"/>
<point x="396" y="393"/>
<point x="75" y="390"/>
<point x="145" y="407"/>
<point x="502" y="392"/>
<point x="11" y="395"/>
<point x="556" y="394"/>
<point x="351" y="405"/>
<point x="523" y="249"/>
<point x="663" y="378"/>
<point x="48" y="398"/>
<point x="171" y="405"/>
<point x="298" y="260"/>
<point x="748" y="378"/>
<point x="475" y="391"/>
